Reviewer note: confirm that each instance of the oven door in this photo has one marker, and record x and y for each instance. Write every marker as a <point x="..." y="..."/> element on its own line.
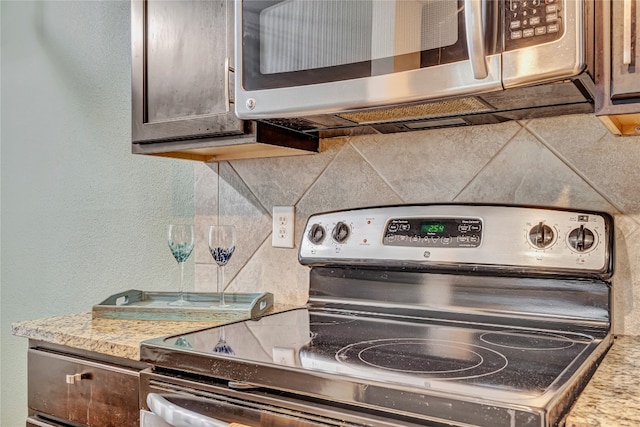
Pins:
<point x="301" y="57"/>
<point x="176" y="400"/>
<point x="171" y="403"/>
<point x="170" y="411"/>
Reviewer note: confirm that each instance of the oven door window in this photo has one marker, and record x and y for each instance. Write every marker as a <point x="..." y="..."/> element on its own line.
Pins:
<point x="302" y="42"/>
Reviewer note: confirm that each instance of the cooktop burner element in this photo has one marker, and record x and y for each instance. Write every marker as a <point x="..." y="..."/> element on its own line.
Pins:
<point x="531" y="341"/>
<point x="474" y="315"/>
<point x="425" y="357"/>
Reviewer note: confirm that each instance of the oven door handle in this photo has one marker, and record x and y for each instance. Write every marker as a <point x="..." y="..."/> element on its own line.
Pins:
<point x="178" y="416"/>
<point x="474" y="22"/>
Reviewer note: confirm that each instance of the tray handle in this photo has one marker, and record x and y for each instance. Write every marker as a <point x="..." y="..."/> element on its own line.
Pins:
<point x="263" y="303"/>
<point x="124" y="298"/>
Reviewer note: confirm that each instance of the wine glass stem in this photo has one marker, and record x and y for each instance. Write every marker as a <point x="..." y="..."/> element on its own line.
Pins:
<point x="221" y="284"/>
<point x="181" y="280"/>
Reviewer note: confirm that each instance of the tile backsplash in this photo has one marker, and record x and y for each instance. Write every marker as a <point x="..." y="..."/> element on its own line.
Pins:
<point x="569" y="161"/>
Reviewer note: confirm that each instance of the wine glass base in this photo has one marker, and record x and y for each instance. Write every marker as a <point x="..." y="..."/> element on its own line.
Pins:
<point x="221" y="305"/>
<point x="180" y="303"/>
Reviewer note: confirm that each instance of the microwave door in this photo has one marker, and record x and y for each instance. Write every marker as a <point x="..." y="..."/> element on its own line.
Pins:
<point x="544" y="42"/>
<point x="303" y="57"/>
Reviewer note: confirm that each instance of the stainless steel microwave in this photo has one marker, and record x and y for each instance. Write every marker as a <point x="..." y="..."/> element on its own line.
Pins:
<point x="313" y="58"/>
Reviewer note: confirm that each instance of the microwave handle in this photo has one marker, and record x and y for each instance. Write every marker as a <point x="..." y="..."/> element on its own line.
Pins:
<point x="178" y="416"/>
<point x="475" y="38"/>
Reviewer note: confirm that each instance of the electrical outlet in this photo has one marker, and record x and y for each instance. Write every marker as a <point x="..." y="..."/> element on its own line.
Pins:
<point x="283" y="226"/>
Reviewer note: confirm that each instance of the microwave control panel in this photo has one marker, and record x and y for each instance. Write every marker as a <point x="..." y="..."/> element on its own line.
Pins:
<point x="532" y="22"/>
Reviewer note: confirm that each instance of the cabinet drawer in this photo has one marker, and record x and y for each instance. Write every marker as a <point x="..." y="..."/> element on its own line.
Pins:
<point x="82" y="391"/>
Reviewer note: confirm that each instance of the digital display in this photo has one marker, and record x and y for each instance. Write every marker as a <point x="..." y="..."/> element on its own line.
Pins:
<point x="432" y="227"/>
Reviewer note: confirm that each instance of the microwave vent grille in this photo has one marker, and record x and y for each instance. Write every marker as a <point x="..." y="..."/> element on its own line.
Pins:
<point x="450" y="107"/>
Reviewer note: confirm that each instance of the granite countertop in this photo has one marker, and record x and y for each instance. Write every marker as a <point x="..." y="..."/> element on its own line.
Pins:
<point x="114" y="337"/>
<point x="612" y="397"/>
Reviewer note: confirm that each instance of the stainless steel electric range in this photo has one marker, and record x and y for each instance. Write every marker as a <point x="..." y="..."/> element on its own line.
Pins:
<point x="443" y="315"/>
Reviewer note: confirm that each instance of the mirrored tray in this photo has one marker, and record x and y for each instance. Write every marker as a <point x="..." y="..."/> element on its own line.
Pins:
<point x="142" y="305"/>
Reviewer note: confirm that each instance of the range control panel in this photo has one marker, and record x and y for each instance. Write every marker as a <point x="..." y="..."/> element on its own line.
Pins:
<point x="433" y="232"/>
<point x="457" y="234"/>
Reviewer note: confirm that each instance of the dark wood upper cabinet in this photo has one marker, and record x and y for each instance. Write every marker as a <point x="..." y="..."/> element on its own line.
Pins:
<point x="618" y="65"/>
<point x="182" y="87"/>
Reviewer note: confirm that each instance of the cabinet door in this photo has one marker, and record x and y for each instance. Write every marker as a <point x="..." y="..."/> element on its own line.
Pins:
<point x="625" y="53"/>
<point x="617" y="65"/>
<point x="82" y="392"/>
<point x="182" y="53"/>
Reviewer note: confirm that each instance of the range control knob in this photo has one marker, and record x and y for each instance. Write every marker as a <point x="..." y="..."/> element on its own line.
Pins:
<point x="340" y="232"/>
<point x="316" y="234"/>
<point x="581" y="239"/>
<point x="541" y="235"/>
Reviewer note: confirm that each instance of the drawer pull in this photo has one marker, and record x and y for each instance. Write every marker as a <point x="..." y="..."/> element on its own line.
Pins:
<point x="72" y="379"/>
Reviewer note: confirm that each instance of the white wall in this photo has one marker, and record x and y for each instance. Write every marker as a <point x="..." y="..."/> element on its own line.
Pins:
<point x="82" y="217"/>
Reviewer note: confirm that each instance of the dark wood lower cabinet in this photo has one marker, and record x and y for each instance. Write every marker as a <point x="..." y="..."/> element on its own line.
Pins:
<point x="69" y="390"/>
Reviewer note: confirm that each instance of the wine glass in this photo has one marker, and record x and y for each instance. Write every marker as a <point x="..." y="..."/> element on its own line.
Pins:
<point x="181" y="240"/>
<point x="222" y="243"/>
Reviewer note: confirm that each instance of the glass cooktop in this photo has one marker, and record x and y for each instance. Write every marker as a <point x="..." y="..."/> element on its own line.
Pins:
<point x="473" y="359"/>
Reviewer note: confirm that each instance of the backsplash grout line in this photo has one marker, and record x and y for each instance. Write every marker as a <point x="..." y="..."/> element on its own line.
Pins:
<point x="247" y="186"/>
<point x="260" y="205"/>
<point x="575" y="170"/>
<point x="218" y="192"/>
<point x="320" y="174"/>
<point x="488" y="163"/>
<point x="248" y="261"/>
<point x="384" y="179"/>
